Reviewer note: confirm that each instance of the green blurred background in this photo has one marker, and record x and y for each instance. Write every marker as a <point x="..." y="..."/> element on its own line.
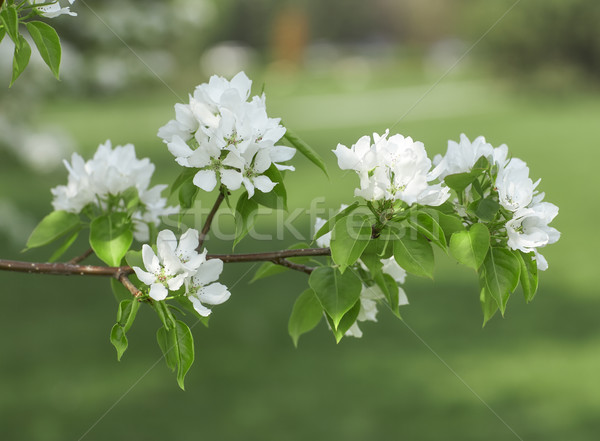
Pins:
<point x="333" y="71"/>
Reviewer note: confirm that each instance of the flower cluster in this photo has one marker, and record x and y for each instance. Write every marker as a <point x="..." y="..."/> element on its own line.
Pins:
<point x="107" y="176"/>
<point x="228" y="137"/>
<point x="53" y="9"/>
<point x="391" y="169"/>
<point x="370" y="295"/>
<point x="525" y="217"/>
<point x="178" y="264"/>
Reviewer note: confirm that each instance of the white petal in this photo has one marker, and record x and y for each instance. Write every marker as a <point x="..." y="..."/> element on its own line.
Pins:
<point x="232" y="179"/>
<point x="214" y="294"/>
<point x="179" y="148"/>
<point x="347" y="159"/>
<point x="262" y="161"/>
<point x="282" y="153"/>
<point x="206" y="180"/>
<point x="188" y="242"/>
<point x="208" y="272"/>
<point x="158" y="292"/>
<point x="150" y="260"/>
<point x="199" y="307"/>
<point x="146" y="278"/>
<point x="263" y="183"/>
<point x="176" y="282"/>
<point x="165" y="242"/>
<point x="249" y="186"/>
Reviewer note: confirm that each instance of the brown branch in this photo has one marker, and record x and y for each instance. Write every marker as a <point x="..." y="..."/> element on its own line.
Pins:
<point x="209" y="219"/>
<point x="295" y="266"/>
<point x="78" y="259"/>
<point x="121" y="272"/>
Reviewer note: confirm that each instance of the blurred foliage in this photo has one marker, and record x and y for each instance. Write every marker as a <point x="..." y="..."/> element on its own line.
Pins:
<point x="554" y="42"/>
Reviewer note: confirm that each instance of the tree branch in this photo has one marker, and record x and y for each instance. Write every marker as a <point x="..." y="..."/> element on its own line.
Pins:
<point x="121" y="272"/>
<point x="209" y="219"/>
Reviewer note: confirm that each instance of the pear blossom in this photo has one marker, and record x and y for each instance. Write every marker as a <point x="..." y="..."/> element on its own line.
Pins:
<point x="174" y="262"/>
<point x="394" y="168"/>
<point x="202" y="291"/>
<point x="52" y="10"/>
<point x="515" y="188"/>
<point x="462" y="156"/>
<point x="528" y="230"/>
<point x="112" y="172"/>
<point x="228" y="137"/>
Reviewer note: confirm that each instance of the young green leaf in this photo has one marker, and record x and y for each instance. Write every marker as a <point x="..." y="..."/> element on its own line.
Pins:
<point x="306" y="314"/>
<point x="346" y="323"/>
<point x="126" y="313"/>
<point x="500" y="273"/>
<point x="350" y="237"/>
<point x="118" y="340"/>
<point x="166" y="342"/>
<point x="245" y="216"/>
<point x="187" y="194"/>
<point x="471" y="247"/>
<point x="10" y="22"/>
<point x="529" y="274"/>
<point x="20" y="59"/>
<point x="425" y="224"/>
<point x="414" y="253"/>
<point x="65" y="246"/>
<point x="336" y="292"/>
<point x="185" y="351"/>
<point x="460" y="181"/>
<point x="485" y="209"/>
<point x="134" y="258"/>
<point x="450" y="224"/>
<point x="48" y="44"/>
<point x="2" y="31"/>
<point x="111" y="237"/>
<point x="52" y="227"/>
<point x="328" y="226"/>
<point x="306" y="150"/>
<point x="186" y="175"/>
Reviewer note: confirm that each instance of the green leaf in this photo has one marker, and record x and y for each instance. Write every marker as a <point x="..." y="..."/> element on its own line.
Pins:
<point x="385" y="282"/>
<point x="499" y="275"/>
<point x="306" y="150"/>
<point x="485" y="209"/>
<point x="450" y="224"/>
<point x="529" y="274"/>
<point x="65" y="246"/>
<point x="111" y="237"/>
<point x="268" y="269"/>
<point x="346" y="323"/>
<point x="2" y="32"/>
<point x="118" y="340"/>
<point x="134" y="258"/>
<point x="164" y="314"/>
<point x="471" y="247"/>
<point x="425" y="224"/>
<point x="20" y="59"/>
<point x="48" y="44"/>
<point x="306" y="314"/>
<point x="127" y="312"/>
<point x="245" y="216"/>
<point x="52" y="227"/>
<point x="460" y="181"/>
<point x="186" y="175"/>
<point x="336" y="292"/>
<point x="10" y="20"/>
<point x="166" y="342"/>
<point x="350" y="237"/>
<point x="328" y="226"/>
<point x="488" y="305"/>
<point x="414" y="254"/>
<point x="187" y="194"/>
<point x="185" y="351"/>
<point x="276" y="198"/>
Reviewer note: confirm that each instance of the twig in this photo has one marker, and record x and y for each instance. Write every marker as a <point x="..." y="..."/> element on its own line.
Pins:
<point x="295" y="266"/>
<point x="270" y="256"/>
<point x="122" y="277"/>
<point x="209" y="219"/>
<point x="84" y="256"/>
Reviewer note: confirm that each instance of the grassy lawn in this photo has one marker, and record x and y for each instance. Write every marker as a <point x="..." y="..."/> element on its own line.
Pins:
<point x="436" y="376"/>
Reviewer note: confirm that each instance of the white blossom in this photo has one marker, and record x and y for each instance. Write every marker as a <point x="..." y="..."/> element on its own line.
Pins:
<point x="202" y="291"/>
<point x="515" y="188"/>
<point x="52" y="10"/>
<point x="228" y="137"/>
<point x="112" y="172"/>
<point x="528" y="230"/>
<point x="462" y="156"/>
<point x="394" y="168"/>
